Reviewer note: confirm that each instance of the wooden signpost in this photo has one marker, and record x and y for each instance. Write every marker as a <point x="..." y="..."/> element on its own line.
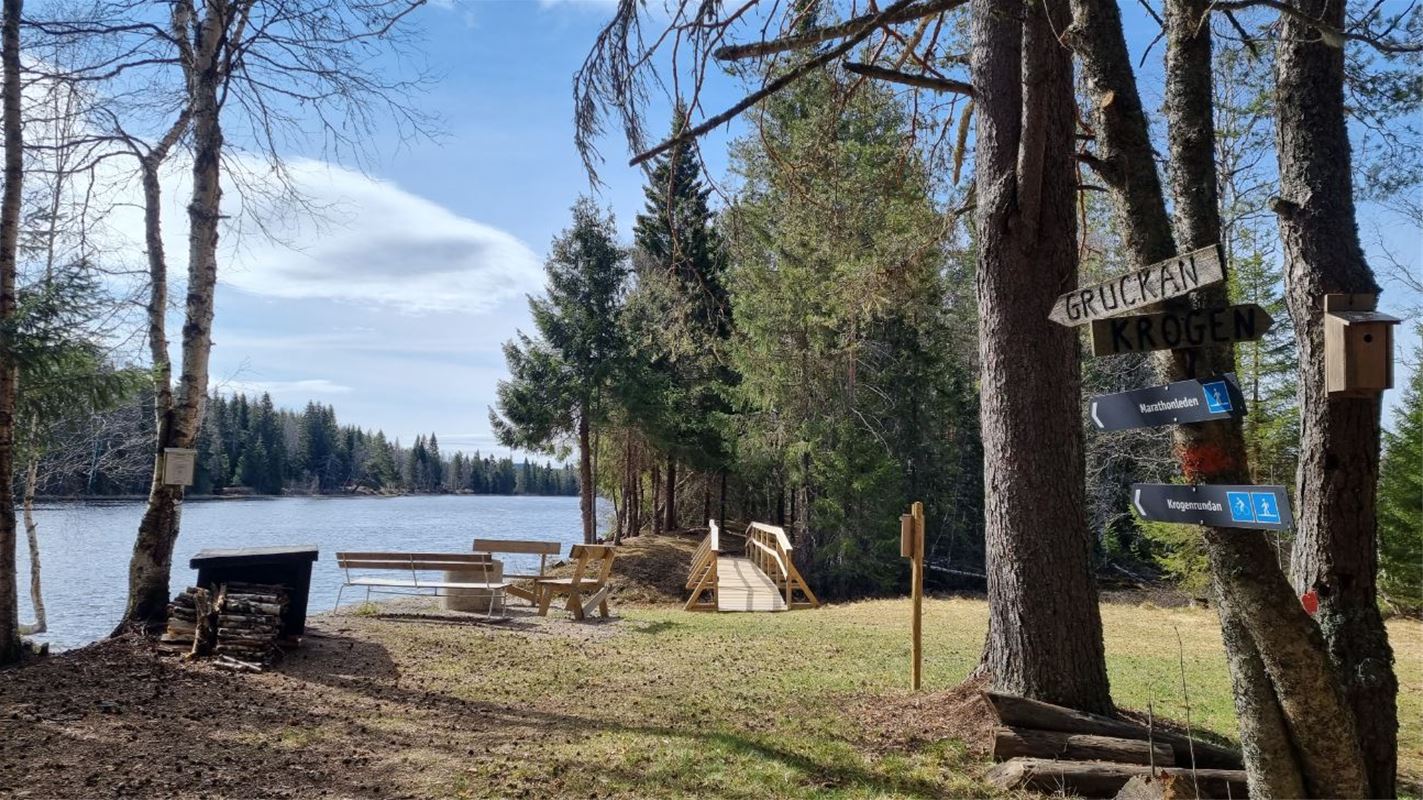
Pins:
<point x="911" y="546"/>
<point x="1140" y="288"/>
<point x="1173" y="330"/>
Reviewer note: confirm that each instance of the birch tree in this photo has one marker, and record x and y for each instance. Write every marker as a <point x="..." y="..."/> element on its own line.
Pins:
<point x="277" y="73"/>
<point x="10" y="199"/>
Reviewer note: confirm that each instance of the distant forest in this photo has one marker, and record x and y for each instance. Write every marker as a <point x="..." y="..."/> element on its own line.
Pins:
<point x="250" y="446"/>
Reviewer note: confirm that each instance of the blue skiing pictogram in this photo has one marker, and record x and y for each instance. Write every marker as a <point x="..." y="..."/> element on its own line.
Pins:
<point x="1217" y="396"/>
<point x="1267" y="508"/>
<point x="1241" y="509"/>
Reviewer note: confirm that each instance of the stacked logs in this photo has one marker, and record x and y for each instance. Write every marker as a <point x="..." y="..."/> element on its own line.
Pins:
<point x="183" y="616"/>
<point x="241" y="626"/>
<point x="1054" y="749"/>
<point x="249" y="623"/>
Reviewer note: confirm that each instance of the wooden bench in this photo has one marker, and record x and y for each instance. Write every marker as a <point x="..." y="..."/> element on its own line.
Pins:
<point x="411" y="565"/>
<point x="584" y="593"/>
<point x="523" y="547"/>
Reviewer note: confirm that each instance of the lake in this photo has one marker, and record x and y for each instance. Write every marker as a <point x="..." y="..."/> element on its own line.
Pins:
<point x="85" y="547"/>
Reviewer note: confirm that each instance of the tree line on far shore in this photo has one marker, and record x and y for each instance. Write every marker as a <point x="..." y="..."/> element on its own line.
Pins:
<point x="248" y="445"/>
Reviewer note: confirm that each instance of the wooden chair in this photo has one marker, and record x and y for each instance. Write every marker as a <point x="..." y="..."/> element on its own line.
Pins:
<point x="587" y="589"/>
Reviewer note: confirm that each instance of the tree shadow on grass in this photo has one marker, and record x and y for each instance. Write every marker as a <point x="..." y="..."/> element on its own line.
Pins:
<point x="440" y="713"/>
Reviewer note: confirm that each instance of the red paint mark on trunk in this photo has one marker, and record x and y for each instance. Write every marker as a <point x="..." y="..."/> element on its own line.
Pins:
<point x="1203" y="461"/>
<point x="1310" y="601"/>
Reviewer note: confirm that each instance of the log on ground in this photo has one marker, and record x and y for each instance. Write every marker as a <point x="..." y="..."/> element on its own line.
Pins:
<point x="1106" y="779"/>
<point x="1020" y="712"/>
<point x="1018" y="742"/>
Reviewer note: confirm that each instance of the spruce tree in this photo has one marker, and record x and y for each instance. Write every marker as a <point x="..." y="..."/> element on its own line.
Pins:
<point x="1401" y="502"/>
<point x="560" y="378"/>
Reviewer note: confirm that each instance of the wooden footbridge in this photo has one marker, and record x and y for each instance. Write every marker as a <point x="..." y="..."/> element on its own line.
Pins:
<point x="763" y="578"/>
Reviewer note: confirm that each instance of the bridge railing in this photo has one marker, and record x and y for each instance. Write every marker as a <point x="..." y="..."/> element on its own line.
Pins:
<point x="770" y="548"/>
<point x="701" y="578"/>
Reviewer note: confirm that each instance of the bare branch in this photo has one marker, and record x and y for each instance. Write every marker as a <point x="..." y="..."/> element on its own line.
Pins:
<point x="910" y="79"/>
<point x="862" y="24"/>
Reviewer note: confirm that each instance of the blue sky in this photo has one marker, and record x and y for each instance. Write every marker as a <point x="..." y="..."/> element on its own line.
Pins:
<point x="394" y="307"/>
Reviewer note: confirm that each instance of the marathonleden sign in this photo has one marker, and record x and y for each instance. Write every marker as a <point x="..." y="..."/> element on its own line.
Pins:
<point x="1220" y="506"/>
<point x="1139" y="288"/>
<point x="1174" y="403"/>
<point x="1172" y="330"/>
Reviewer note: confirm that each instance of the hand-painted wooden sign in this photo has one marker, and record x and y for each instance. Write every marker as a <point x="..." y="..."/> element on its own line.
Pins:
<point x="1173" y="330"/>
<point x="1220" y="506"/>
<point x="1139" y="288"/>
<point x="1174" y="403"/>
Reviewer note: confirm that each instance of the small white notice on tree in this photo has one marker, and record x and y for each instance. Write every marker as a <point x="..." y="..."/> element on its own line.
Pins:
<point x="178" y="465"/>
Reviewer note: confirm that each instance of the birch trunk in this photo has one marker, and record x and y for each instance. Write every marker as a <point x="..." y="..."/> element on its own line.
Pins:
<point x="10" y="646"/>
<point x="1045" y="630"/>
<point x="41" y="623"/>
<point x="1285" y="689"/>
<point x="180" y="421"/>
<point x="1336" y="545"/>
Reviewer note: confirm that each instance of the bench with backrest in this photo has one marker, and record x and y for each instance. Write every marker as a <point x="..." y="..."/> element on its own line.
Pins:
<point x="587" y="588"/>
<point x="522" y="547"/>
<point x="407" y="573"/>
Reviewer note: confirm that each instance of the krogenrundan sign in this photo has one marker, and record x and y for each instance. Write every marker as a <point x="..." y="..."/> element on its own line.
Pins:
<point x="1216" y="505"/>
<point x="1140" y="288"/>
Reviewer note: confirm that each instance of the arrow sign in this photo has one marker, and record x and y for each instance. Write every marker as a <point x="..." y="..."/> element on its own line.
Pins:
<point x="1174" y="403"/>
<point x="1220" y="506"/>
<point x="1172" y="330"/>
<point x="1140" y="288"/>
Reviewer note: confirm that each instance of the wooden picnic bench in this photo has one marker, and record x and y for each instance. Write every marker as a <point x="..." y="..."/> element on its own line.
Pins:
<point x="584" y="593"/>
<point x="414" y="564"/>
<point x="523" y="547"/>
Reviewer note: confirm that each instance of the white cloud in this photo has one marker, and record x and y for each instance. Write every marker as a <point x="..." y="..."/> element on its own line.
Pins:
<point x="374" y="243"/>
<point x="340" y="235"/>
<point x="302" y="388"/>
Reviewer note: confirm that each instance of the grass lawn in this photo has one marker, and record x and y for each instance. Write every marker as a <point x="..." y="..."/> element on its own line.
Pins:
<point x="655" y="703"/>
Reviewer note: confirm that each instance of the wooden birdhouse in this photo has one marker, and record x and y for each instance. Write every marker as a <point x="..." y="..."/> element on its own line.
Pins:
<point x="1358" y="345"/>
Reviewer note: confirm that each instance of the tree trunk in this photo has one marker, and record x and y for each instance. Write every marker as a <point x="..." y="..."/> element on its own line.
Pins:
<point x="10" y="646"/>
<point x="721" y="503"/>
<point x="1336" y="544"/>
<point x="41" y="623"/>
<point x="179" y="424"/>
<point x="670" y="523"/>
<point x="1266" y="627"/>
<point x="657" y="510"/>
<point x="585" y="480"/>
<point x="1045" y="630"/>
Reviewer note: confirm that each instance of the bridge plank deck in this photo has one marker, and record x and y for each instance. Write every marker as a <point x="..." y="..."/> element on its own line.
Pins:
<point x="742" y="586"/>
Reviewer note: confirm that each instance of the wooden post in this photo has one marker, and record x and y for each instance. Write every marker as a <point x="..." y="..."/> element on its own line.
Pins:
<point x="911" y="546"/>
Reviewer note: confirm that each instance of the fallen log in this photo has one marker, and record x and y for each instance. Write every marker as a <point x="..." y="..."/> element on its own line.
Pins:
<point x="1020" y="712"/>
<point x="1017" y="742"/>
<point x="236" y="664"/>
<point x="1106" y="779"/>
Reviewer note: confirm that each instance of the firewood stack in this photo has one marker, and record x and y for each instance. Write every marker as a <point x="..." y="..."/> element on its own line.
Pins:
<point x="1053" y="749"/>
<point x="183" y="617"/>
<point x="249" y="622"/>
<point x="240" y="627"/>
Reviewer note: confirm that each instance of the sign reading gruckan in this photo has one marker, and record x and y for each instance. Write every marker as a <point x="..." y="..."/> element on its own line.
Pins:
<point x="1172" y="404"/>
<point x="1219" y="506"/>
<point x="1173" y="330"/>
<point x="1139" y="288"/>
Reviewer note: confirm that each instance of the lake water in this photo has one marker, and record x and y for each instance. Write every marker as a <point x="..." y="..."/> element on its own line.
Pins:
<point x="85" y="547"/>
